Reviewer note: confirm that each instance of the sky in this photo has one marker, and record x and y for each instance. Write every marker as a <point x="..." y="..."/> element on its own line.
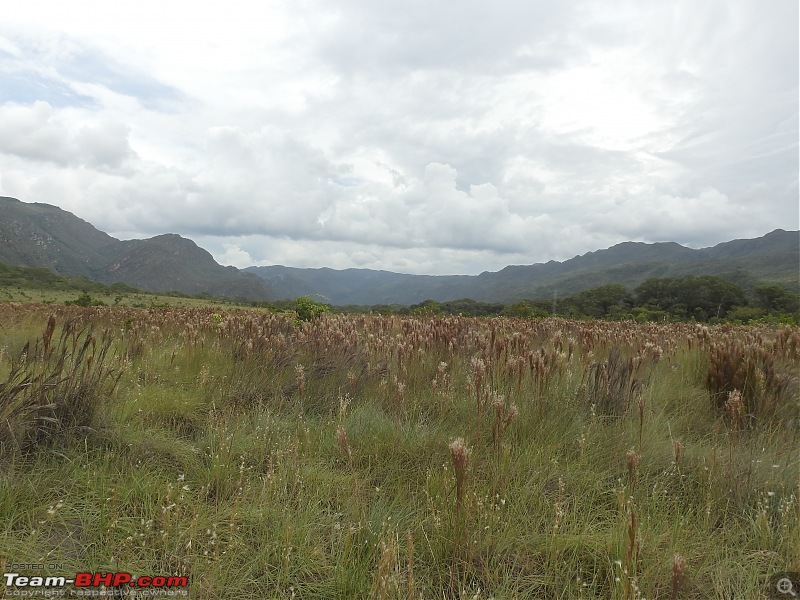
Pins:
<point x="417" y="137"/>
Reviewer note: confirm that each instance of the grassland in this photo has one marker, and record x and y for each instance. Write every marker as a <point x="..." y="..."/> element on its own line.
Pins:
<point x="106" y="296"/>
<point x="400" y="457"/>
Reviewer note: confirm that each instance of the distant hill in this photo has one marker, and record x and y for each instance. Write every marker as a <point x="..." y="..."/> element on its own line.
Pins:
<point x="172" y="262"/>
<point x="41" y="235"/>
<point x="773" y="258"/>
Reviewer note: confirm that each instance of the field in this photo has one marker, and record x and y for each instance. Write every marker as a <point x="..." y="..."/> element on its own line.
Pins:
<point x="110" y="298"/>
<point x="262" y="456"/>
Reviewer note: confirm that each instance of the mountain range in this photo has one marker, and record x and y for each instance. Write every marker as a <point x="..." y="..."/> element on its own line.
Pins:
<point x="773" y="258"/>
<point x="42" y="235"/>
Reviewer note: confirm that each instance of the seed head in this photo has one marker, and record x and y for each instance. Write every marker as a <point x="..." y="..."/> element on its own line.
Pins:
<point x="341" y="434"/>
<point x="678" y="448"/>
<point x="300" y="377"/>
<point x="478" y="367"/>
<point x="632" y="460"/>
<point x="735" y="409"/>
<point x="459" y="453"/>
<point x="512" y="412"/>
<point x="679" y="569"/>
<point x="498" y="401"/>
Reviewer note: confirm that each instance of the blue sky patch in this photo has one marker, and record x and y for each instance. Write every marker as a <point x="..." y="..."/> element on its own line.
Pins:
<point x="27" y="89"/>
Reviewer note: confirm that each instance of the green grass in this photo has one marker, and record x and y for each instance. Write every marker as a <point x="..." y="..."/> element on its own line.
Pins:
<point x="109" y="298"/>
<point x="213" y="457"/>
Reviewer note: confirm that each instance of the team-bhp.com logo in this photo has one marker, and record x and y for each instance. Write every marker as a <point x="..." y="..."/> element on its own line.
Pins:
<point x="91" y="583"/>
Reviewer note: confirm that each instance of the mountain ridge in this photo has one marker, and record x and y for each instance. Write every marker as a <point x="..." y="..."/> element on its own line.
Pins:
<point x="43" y="235"/>
<point x="772" y="258"/>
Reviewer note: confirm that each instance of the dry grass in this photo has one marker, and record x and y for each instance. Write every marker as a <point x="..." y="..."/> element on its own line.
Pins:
<point x="395" y="457"/>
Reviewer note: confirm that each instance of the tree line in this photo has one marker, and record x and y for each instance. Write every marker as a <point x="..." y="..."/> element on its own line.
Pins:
<point x="703" y="299"/>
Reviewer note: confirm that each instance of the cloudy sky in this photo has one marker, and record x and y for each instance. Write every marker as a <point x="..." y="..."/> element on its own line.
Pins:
<point x="420" y="137"/>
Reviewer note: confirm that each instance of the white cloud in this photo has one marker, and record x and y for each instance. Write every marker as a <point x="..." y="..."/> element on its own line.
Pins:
<point x="38" y="133"/>
<point x="235" y="256"/>
<point x="31" y="132"/>
<point x="407" y="136"/>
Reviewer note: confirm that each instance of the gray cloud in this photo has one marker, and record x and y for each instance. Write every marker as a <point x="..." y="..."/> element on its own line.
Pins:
<point x="104" y="145"/>
<point x="31" y="132"/>
<point x="393" y="37"/>
<point x="37" y="133"/>
<point x="88" y="65"/>
<point x="416" y="137"/>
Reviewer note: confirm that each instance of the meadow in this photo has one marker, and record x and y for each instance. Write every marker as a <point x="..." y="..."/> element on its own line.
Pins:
<point x="106" y="297"/>
<point x="263" y="456"/>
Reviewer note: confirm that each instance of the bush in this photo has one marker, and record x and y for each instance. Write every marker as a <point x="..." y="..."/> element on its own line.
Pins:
<point x="745" y="314"/>
<point x="85" y="300"/>
<point x="308" y="309"/>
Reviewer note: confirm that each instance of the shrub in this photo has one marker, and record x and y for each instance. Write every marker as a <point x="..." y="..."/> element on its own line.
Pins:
<point x="308" y="309"/>
<point x="85" y="300"/>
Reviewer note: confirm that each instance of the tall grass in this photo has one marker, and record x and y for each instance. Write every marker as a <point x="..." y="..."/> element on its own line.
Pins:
<point x="54" y="387"/>
<point x="392" y="457"/>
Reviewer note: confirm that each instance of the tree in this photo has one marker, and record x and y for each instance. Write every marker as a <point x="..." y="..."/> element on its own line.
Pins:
<point x="776" y="299"/>
<point x="85" y="300"/>
<point x="428" y="308"/>
<point x="308" y="309"/>
<point x="709" y="296"/>
<point x="599" y="301"/>
<point x="521" y="309"/>
<point x="699" y="298"/>
<point x="656" y="293"/>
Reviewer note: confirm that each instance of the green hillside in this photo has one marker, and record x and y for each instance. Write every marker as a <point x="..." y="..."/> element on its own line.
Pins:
<point x="771" y="259"/>
<point x="44" y="236"/>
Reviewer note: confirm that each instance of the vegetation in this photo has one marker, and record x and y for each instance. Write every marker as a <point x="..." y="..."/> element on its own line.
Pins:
<point x="308" y="309"/>
<point x="27" y="284"/>
<point x="262" y="455"/>
<point x="85" y="300"/>
<point x="702" y="299"/>
<point x="46" y="236"/>
<point x="771" y="259"/>
<point x="693" y="298"/>
<point x="34" y="278"/>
